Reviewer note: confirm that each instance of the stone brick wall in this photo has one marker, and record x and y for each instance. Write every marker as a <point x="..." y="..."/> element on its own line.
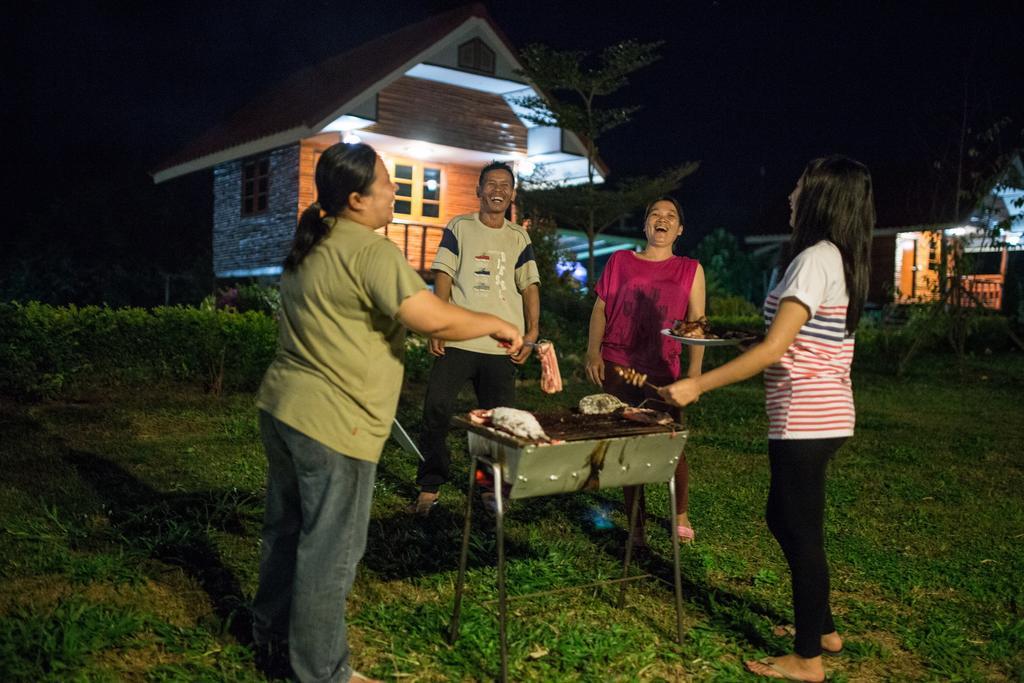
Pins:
<point x="246" y="243"/>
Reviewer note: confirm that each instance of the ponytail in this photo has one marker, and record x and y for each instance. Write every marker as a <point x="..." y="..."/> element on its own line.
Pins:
<point x="311" y="230"/>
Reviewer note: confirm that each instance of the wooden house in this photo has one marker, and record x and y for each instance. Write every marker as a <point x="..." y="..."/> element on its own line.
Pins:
<point x="436" y="99"/>
<point x="905" y="261"/>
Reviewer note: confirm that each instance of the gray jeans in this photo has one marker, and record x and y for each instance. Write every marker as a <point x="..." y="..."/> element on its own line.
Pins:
<point x="314" y="534"/>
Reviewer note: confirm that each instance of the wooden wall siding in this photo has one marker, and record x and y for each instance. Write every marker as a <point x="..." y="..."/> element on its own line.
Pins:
<point x="308" y="149"/>
<point x="461" y="185"/>
<point x="259" y="241"/>
<point x="449" y="115"/>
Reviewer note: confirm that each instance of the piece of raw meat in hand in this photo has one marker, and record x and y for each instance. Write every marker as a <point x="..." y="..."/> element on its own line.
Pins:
<point x="550" y="378"/>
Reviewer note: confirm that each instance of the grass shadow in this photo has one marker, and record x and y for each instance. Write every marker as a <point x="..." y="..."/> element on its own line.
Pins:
<point x="173" y="528"/>
<point x="723" y="609"/>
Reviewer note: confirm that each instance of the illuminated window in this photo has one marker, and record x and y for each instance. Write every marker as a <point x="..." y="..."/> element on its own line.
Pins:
<point x="417" y="189"/>
<point x="477" y="56"/>
<point x="255" y="186"/>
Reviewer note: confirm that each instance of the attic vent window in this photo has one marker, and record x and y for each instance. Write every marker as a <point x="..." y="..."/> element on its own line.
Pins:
<point x="476" y="56"/>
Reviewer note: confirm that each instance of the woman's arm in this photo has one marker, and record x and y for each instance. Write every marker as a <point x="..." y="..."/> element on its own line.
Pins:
<point x="425" y="313"/>
<point x="694" y="311"/>
<point x="595" y="364"/>
<point x="790" y="318"/>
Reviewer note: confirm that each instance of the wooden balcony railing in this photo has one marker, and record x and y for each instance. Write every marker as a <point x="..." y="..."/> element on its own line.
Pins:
<point x="987" y="289"/>
<point x="419" y="243"/>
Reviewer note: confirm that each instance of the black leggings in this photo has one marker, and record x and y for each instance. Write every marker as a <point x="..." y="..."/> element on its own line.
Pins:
<point x="796" y="517"/>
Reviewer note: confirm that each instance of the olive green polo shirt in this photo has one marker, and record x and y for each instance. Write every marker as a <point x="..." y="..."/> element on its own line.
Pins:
<point x="338" y="369"/>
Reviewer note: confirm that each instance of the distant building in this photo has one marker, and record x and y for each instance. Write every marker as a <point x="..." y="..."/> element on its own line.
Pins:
<point x="434" y="99"/>
<point x="905" y="261"/>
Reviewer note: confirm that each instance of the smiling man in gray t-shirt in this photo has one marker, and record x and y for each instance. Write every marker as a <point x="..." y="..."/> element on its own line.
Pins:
<point x="485" y="263"/>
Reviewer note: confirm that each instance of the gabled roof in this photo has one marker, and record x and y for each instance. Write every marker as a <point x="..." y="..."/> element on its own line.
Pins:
<point x="303" y="103"/>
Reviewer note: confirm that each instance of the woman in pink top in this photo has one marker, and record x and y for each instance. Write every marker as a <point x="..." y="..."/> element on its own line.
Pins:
<point x="806" y="354"/>
<point x="638" y="295"/>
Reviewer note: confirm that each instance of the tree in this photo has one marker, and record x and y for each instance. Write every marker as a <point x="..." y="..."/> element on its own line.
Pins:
<point x="727" y="268"/>
<point x="570" y="84"/>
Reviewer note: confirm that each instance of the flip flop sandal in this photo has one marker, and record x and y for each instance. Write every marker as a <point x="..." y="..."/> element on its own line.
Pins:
<point x="779" y="673"/>
<point x="685" y="533"/>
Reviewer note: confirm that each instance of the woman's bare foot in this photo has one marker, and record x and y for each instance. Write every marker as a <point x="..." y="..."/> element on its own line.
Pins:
<point x="683" y="528"/>
<point x="832" y="643"/>
<point x="360" y="678"/>
<point x="788" y="667"/>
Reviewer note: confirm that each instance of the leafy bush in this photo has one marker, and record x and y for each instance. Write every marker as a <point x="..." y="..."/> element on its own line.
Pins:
<point x="245" y="298"/>
<point x="731" y="306"/>
<point x="887" y="345"/>
<point x="46" y="351"/>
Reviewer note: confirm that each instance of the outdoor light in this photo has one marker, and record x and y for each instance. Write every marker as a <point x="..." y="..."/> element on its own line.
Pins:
<point x="431" y="185"/>
<point x="351" y="139"/>
<point x="419" y="150"/>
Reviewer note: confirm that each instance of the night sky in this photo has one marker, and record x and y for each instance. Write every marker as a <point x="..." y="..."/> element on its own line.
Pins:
<point x="103" y="91"/>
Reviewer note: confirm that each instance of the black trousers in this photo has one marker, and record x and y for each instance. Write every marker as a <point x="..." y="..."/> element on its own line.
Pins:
<point x="494" y="381"/>
<point x="796" y="517"/>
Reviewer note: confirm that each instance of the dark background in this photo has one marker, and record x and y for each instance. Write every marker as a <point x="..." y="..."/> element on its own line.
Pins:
<point x="101" y="92"/>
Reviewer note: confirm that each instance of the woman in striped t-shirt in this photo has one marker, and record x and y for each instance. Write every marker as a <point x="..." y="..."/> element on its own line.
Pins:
<point x="811" y="316"/>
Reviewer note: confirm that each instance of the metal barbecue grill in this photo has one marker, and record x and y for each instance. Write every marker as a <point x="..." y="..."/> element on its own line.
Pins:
<point x="591" y="452"/>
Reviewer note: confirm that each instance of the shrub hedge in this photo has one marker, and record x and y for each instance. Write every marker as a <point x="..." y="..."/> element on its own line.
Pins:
<point x="48" y="351"/>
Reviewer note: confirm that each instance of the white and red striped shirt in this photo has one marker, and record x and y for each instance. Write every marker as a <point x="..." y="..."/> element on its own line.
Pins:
<point x="808" y="394"/>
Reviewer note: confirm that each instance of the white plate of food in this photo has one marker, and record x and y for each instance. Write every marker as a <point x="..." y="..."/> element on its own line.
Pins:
<point x="708" y="341"/>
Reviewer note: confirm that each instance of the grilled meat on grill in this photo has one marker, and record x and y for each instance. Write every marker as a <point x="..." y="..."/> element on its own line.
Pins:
<point x="647" y="416"/>
<point x="518" y="423"/>
<point x="599" y="404"/>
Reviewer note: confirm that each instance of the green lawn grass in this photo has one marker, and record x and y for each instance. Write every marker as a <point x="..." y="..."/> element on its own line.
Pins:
<point x="129" y="527"/>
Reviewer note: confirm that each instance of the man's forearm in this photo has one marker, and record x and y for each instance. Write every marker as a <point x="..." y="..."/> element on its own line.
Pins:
<point x="531" y="310"/>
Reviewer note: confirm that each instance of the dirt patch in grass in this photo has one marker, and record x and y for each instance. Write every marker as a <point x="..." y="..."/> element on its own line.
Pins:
<point x="131" y="664"/>
<point x="172" y="597"/>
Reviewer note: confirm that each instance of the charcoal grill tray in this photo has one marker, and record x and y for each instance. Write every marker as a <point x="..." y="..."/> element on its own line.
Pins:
<point x="567" y="426"/>
<point x="596" y="451"/>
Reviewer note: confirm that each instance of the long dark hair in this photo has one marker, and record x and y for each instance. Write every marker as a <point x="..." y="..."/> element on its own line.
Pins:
<point x="342" y="170"/>
<point x="836" y="203"/>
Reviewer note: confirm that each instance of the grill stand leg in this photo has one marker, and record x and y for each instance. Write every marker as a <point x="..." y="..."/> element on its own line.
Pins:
<point x="675" y="558"/>
<point x="634" y="509"/>
<point x="453" y="631"/>
<point x="500" y="530"/>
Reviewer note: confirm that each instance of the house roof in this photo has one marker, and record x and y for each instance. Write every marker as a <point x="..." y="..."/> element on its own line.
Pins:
<point x="303" y="103"/>
<point x="312" y="94"/>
